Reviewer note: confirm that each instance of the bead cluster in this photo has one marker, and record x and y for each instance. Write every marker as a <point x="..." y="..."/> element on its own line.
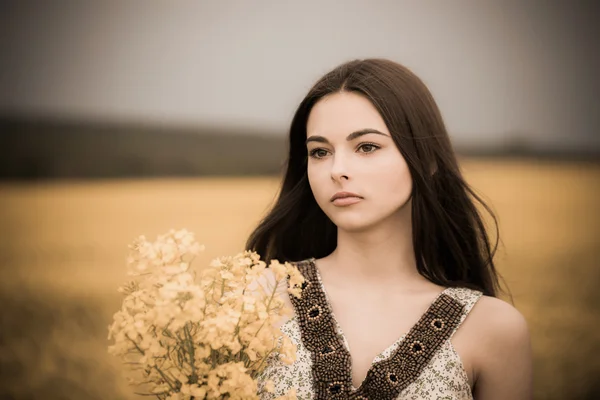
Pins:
<point x="336" y="388"/>
<point x="319" y="336"/>
<point x="392" y="378"/>
<point x="417" y="347"/>
<point x="327" y="351"/>
<point x="437" y="324"/>
<point x="331" y="368"/>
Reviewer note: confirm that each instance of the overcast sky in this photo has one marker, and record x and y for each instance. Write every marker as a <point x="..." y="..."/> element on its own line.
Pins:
<point x="497" y="68"/>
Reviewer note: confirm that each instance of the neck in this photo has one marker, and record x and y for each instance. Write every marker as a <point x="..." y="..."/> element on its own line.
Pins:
<point x="380" y="254"/>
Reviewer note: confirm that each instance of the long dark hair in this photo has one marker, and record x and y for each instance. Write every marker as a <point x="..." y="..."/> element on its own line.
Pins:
<point x="451" y="245"/>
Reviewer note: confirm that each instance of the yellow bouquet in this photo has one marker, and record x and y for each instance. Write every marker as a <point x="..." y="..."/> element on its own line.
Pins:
<point x="206" y="334"/>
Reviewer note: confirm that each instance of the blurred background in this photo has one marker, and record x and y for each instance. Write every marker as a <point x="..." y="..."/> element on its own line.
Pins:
<point x="125" y="118"/>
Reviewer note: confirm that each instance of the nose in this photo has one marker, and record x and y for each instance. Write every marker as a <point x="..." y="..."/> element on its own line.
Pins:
<point x="338" y="169"/>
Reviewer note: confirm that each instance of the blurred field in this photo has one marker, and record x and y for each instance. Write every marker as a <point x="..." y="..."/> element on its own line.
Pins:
<point x="63" y="249"/>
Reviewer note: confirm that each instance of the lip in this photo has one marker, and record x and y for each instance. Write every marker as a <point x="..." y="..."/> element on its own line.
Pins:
<point x="341" y="195"/>
<point x="346" y="201"/>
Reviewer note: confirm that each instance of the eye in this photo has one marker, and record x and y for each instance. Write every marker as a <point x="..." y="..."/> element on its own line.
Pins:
<point x="368" y="147"/>
<point x="318" y="153"/>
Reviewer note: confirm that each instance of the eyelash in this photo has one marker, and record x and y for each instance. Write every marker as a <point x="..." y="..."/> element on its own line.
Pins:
<point x="314" y="151"/>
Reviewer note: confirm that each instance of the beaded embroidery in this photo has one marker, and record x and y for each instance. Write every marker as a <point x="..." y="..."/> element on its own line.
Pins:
<point x="331" y="361"/>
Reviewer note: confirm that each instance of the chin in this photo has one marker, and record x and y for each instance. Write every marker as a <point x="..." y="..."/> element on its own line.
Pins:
<point x="359" y="221"/>
<point x="353" y="223"/>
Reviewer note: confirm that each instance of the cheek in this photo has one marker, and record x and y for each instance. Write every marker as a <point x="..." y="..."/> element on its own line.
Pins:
<point x="392" y="185"/>
<point x="317" y="184"/>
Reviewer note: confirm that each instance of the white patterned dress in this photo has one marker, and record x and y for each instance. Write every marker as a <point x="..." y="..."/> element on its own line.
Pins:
<point x="422" y="364"/>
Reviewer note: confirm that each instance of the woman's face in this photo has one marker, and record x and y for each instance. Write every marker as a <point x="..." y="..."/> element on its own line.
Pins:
<point x="350" y="150"/>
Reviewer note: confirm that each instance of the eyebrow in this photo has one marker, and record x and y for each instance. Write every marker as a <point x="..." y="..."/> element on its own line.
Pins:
<point x="352" y="136"/>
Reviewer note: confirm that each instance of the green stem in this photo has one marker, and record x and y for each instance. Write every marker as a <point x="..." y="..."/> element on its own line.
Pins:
<point x="268" y="305"/>
<point x="237" y="326"/>
<point x="262" y="362"/>
<point x="191" y="349"/>
<point x="155" y="367"/>
<point x="166" y="378"/>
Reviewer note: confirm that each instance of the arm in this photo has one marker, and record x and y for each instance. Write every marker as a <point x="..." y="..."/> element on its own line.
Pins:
<point x="504" y="362"/>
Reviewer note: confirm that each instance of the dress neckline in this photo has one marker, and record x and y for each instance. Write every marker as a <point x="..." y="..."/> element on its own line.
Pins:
<point x="380" y="357"/>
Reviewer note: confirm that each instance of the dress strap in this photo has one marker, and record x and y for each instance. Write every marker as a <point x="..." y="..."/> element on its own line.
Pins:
<point x="468" y="298"/>
<point x="331" y="362"/>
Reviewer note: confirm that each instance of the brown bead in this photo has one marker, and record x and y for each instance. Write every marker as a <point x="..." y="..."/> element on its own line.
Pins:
<point x="437" y="324"/>
<point x="331" y="361"/>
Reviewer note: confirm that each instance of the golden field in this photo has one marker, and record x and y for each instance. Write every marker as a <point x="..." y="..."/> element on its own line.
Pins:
<point x="63" y="248"/>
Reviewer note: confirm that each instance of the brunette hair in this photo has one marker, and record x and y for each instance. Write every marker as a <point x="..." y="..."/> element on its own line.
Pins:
<point x="451" y="244"/>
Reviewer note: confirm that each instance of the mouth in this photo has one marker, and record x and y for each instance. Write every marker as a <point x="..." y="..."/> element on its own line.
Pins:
<point x="344" y="195"/>
<point x="345" y="198"/>
<point x="346" y="201"/>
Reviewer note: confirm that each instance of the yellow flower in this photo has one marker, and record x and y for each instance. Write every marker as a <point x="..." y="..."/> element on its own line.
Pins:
<point x="269" y="386"/>
<point x="279" y="269"/>
<point x="177" y="396"/>
<point x="287" y="351"/>
<point x="195" y="328"/>
<point x="193" y="390"/>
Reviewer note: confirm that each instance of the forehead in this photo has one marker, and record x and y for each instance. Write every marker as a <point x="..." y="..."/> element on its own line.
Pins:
<point x="341" y="113"/>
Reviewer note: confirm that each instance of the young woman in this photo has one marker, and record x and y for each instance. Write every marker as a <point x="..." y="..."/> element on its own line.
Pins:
<point x="400" y="295"/>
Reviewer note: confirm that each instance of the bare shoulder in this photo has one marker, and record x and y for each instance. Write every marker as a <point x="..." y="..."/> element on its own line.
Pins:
<point x="499" y="320"/>
<point x="503" y="361"/>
